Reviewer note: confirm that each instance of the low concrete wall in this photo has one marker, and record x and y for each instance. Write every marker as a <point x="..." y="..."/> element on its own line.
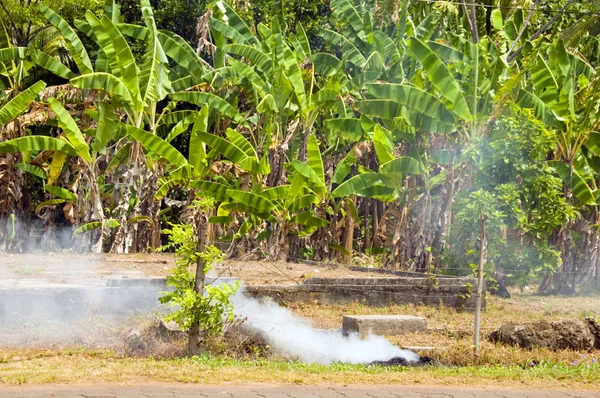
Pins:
<point x="73" y="302"/>
<point x="450" y="292"/>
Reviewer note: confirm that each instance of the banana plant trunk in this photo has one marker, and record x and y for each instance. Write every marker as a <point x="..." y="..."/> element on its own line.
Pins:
<point x="348" y="240"/>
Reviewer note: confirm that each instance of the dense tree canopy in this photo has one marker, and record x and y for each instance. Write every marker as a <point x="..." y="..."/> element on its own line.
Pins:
<point x="317" y="130"/>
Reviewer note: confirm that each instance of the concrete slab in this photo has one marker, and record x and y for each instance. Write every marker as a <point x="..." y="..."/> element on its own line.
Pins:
<point x="388" y="325"/>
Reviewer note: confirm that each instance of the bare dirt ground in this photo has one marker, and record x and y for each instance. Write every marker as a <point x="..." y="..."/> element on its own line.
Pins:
<point x="96" y="268"/>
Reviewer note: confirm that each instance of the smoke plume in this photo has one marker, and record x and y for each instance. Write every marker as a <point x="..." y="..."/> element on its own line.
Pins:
<point x="293" y="336"/>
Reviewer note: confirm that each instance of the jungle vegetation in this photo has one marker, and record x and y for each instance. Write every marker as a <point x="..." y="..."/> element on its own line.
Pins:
<point x="318" y="130"/>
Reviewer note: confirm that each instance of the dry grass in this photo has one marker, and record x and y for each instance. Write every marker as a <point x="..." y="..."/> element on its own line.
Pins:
<point x="451" y="332"/>
<point x="67" y="367"/>
<point x="452" y="338"/>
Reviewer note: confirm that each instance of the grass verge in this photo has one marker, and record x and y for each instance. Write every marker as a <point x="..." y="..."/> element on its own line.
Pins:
<point x="87" y="367"/>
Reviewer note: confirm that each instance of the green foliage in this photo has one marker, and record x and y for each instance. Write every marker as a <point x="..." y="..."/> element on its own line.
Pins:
<point x="208" y="310"/>
<point x="521" y="195"/>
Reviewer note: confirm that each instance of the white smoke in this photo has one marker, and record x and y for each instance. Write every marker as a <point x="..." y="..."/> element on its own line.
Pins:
<point x="293" y="336"/>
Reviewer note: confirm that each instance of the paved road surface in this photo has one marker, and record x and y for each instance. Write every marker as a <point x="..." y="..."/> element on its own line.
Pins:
<point x="196" y="391"/>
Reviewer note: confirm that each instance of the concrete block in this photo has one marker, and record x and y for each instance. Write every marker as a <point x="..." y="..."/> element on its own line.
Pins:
<point x="389" y="325"/>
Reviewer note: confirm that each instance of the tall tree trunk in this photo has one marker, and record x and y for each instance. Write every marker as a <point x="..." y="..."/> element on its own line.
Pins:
<point x="195" y="335"/>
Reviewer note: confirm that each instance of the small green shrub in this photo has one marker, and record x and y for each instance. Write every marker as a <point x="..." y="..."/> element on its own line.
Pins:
<point x="209" y="309"/>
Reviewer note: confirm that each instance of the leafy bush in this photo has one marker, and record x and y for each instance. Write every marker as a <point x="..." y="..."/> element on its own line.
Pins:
<point x="209" y="309"/>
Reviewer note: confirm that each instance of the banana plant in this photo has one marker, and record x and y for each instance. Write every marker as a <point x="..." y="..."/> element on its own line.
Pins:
<point x="71" y="144"/>
<point x="128" y="100"/>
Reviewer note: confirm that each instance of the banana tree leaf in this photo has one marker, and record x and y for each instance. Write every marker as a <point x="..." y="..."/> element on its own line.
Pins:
<point x="107" y="126"/>
<point x="243" y="230"/>
<point x="236" y="23"/>
<point x="61" y="193"/>
<point x="267" y="104"/>
<point x="379" y="192"/>
<point x="53" y="65"/>
<point x="199" y="98"/>
<point x="249" y="73"/>
<point x="5" y="40"/>
<point x="303" y="202"/>
<point x="252" y="54"/>
<point x="212" y="189"/>
<point x="301" y="44"/>
<point x="266" y="234"/>
<point x="593" y="143"/>
<point x="181" y="126"/>
<point x="241" y="142"/>
<point x="135" y="31"/>
<point x="339" y="248"/>
<point x="292" y="70"/>
<point x="441" y="78"/>
<point x="541" y="110"/>
<point x="314" y="181"/>
<point x="153" y="78"/>
<point x="157" y="145"/>
<point x="315" y="162"/>
<point x="51" y="202"/>
<point x="308" y="219"/>
<point x="103" y="81"/>
<point x="349" y="128"/>
<point x="276" y="194"/>
<point x="294" y="189"/>
<point x="32" y="169"/>
<point x="197" y="152"/>
<point x="87" y="227"/>
<point x="226" y="30"/>
<point x="167" y="186"/>
<point x="403" y="165"/>
<point x="19" y="104"/>
<point x="13" y="54"/>
<point x="33" y="143"/>
<point x="343" y="168"/>
<point x="541" y="75"/>
<point x="580" y="187"/>
<point x="183" y="173"/>
<point x="351" y="53"/>
<point x="357" y="184"/>
<point x="73" y="42"/>
<point x="428" y="25"/>
<point x="71" y="130"/>
<point x="325" y="64"/>
<point x="445" y="52"/>
<point x="183" y="83"/>
<point x="358" y="82"/>
<point x="177" y="116"/>
<point x="351" y="210"/>
<point x="384" y="147"/>
<point x="220" y="219"/>
<point x="346" y="12"/>
<point x="176" y="48"/>
<point x="125" y="59"/>
<point x="119" y="158"/>
<point x="139" y="219"/>
<point x="56" y="166"/>
<point x="112" y="223"/>
<point x="383" y="108"/>
<point x="252" y="200"/>
<point x="229" y="150"/>
<point x="390" y="49"/>
<point x="414" y="98"/>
